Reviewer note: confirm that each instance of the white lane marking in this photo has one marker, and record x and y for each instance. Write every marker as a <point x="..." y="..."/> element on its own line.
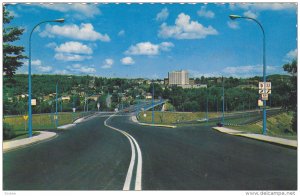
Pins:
<point x="138" y="178"/>
<point x="138" y="181"/>
<point x="126" y="186"/>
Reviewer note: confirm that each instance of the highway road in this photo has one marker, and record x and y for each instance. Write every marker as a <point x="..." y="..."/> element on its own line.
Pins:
<point x="113" y="153"/>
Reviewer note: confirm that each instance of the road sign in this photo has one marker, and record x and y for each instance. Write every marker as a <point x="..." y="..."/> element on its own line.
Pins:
<point x="25" y="117"/>
<point x="264" y="97"/>
<point x="262" y="91"/>
<point x="33" y="101"/>
<point x="262" y="85"/>
<point x="260" y="103"/>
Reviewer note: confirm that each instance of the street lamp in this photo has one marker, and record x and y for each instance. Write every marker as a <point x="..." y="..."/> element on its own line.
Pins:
<point x="29" y="75"/>
<point x="56" y="97"/>
<point x="233" y="17"/>
<point x="223" y="101"/>
<point x="152" y="102"/>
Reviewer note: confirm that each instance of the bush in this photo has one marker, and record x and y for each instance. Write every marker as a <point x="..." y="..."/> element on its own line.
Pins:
<point x="294" y="122"/>
<point x="8" y="132"/>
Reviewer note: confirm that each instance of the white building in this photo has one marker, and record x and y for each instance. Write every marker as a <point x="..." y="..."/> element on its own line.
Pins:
<point x="178" y="77"/>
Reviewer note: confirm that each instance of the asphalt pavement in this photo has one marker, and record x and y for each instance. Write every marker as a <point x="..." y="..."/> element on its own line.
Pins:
<point x="92" y="156"/>
<point x="199" y="158"/>
<point x="88" y="156"/>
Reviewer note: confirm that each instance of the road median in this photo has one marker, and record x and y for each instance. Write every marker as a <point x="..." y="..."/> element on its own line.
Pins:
<point x="260" y="137"/>
<point x="134" y="119"/>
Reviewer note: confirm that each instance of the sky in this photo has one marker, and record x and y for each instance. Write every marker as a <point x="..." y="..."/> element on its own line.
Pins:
<point x="149" y="40"/>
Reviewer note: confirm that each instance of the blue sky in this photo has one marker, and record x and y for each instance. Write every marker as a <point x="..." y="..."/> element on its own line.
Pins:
<point x="149" y="40"/>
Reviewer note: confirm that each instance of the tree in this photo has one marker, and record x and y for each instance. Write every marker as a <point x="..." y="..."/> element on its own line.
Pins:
<point x="291" y="68"/>
<point x="12" y="55"/>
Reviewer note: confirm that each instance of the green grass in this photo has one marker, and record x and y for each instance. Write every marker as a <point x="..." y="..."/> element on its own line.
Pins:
<point x="278" y="126"/>
<point x="169" y="118"/>
<point x="23" y="134"/>
<point x="40" y="121"/>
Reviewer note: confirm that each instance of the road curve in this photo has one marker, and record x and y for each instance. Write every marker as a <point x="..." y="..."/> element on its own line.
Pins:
<point x="88" y="156"/>
<point x="199" y="158"/>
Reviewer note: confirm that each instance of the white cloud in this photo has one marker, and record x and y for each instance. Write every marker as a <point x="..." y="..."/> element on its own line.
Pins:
<point x="80" y="69"/>
<point x="291" y="55"/>
<point x="121" y="33"/>
<point x="86" y="10"/>
<point x="44" y="69"/>
<point x="51" y="45"/>
<point x="186" y="29"/>
<point x="127" y="61"/>
<point x="61" y="72"/>
<point x="166" y="46"/>
<point x="83" y="32"/>
<point x="198" y="74"/>
<point x="233" y="24"/>
<point x="250" y="70"/>
<point x="38" y="66"/>
<point x="74" y="47"/>
<point x="263" y="6"/>
<point x="250" y="14"/>
<point x="147" y="48"/>
<point x="205" y="13"/>
<point x="13" y="13"/>
<point x="107" y="64"/>
<point x="71" y="57"/>
<point x="162" y="15"/>
<point x="36" y="62"/>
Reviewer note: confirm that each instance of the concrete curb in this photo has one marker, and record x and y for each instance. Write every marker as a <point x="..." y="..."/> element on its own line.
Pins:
<point x="264" y="138"/>
<point x="67" y="126"/>
<point x="43" y="136"/>
<point x="134" y="119"/>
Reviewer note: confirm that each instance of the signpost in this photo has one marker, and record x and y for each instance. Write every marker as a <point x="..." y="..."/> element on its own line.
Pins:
<point x="264" y="90"/>
<point x="25" y="117"/>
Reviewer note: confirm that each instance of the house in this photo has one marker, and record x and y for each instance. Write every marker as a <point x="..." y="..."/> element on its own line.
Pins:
<point x="148" y="96"/>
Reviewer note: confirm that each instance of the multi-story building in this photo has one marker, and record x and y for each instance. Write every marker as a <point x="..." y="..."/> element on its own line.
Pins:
<point x="181" y="78"/>
<point x="178" y="77"/>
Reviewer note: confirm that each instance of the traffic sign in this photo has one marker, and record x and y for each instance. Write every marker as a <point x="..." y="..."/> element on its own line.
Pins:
<point x="260" y="103"/>
<point x="264" y="97"/>
<point x="262" y="91"/>
<point x="33" y="101"/>
<point x="265" y="85"/>
<point x="25" y="117"/>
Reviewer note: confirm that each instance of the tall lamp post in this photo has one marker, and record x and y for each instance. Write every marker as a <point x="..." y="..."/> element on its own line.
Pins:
<point x="152" y="102"/>
<point x="56" y="105"/>
<point x="233" y="17"/>
<point x="29" y="75"/>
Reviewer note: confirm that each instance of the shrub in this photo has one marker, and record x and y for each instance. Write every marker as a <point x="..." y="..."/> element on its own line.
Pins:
<point x="8" y="132"/>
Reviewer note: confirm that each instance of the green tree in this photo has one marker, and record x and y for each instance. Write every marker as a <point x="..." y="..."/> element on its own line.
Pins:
<point x="291" y="68"/>
<point x="12" y="55"/>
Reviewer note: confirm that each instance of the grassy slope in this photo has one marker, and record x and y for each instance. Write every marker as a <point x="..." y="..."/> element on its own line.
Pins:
<point x="278" y="125"/>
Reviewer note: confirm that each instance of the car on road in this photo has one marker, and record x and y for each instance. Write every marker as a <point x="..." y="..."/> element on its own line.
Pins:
<point x="219" y="124"/>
